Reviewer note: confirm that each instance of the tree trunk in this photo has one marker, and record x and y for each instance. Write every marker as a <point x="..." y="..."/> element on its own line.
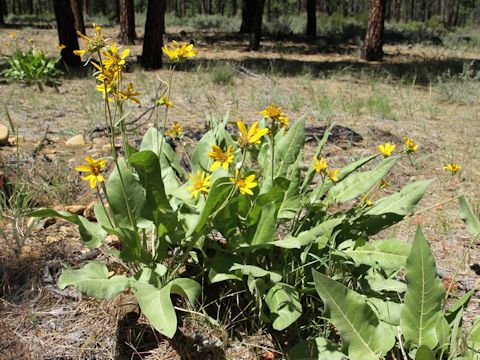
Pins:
<point x="234" y="8"/>
<point x="153" y="39"/>
<point x="127" y="22"/>
<point x="77" y="10"/>
<point x="248" y="8"/>
<point x="256" y="31"/>
<point x="372" y="49"/>
<point x="2" y="12"/>
<point x="66" y="32"/>
<point x="312" y="18"/>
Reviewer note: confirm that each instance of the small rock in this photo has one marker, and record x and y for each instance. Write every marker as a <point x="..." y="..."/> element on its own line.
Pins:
<point x="75" y="209"/>
<point x="108" y="147"/>
<point x="3" y="135"/>
<point x="89" y="212"/>
<point x="12" y="140"/>
<point x="150" y="125"/>
<point x="77" y="140"/>
<point x="41" y="223"/>
<point x="98" y="141"/>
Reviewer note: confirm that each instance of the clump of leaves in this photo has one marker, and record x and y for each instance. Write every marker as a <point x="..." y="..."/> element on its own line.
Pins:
<point x="32" y="67"/>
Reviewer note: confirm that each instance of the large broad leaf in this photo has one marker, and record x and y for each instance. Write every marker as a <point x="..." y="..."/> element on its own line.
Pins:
<point x="315" y="349"/>
<point x="91" y="233"/>
<point x="127" y="198"/>
<point x="286" y="153"/>
<point x="473" y="340"/>
<point x="265" y="232"/>
<point x="388" y="254"/>
<point x="92" y="280"/>
<point x="472" y="222"/>
<point x="359" y="183"/>
<point x="292" y="201"/>
<point x="424" y="296"/>
<point x="364" y="337"/>
<point x="147" y="165"/>
<point x="157" y="306"/>
<point x="188" y="288"/>
<point x="284" y="303"/>
<point x="387" y="311"/>
<point x="168" y="160"/>
<point x="219" y="268"/>
<point x="199" y="158"/>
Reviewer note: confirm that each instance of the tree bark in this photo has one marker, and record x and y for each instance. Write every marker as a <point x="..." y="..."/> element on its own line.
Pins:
<point x="127" y="22"/>
<point x="312" y="18"/>
<point x="66" y="32"/>
<point x="153" y="39"/>
<point x="248" y="8"/>
<point x="373" y="47"/>
<point x="2" y="12"/>
<point x="77" y="10"/>
<point x="256" y="31"/>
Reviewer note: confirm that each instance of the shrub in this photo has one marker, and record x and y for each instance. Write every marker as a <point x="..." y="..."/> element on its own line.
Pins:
<point x="294" y="241"/>
<point x="222" y="75"/>
<point x="32" y="67"/>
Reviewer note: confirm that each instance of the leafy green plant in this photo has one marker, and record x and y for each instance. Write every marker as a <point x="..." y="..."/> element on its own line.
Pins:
<point x="32" y="67"/>
<point x="245" y="212"/>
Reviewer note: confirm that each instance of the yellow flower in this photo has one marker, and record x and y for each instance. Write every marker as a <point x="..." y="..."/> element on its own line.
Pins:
<point x="223" y="159"/>
<point x="61" y="46"/>
<point x="164" y="100"/>
<point x="129" y="94"/>
<point x="365" y="200"/>
<point x="251" y="136"/>
<point x="273" y="112"/>
<point x="113" y="61"/>
<point x="384" y="184"/>
<point x="386" y="149"/>
<point x="244" y="185"/>
<point x="94" y="168"/>
<point x="12" y="34"/>
<point x="176" y="131"/>
<point x="176" y="52"/>
<point x="332" y="174"/>
<point x="7" y="44"/>
<point x="321" y="165"/>
<point x="92" y="44"/>
<point x="200" y="184"/>
<point x="452" y="167"/>
<point x="410" y="145"/>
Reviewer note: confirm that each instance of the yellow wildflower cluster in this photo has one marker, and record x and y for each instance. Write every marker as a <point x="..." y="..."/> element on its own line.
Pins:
<point x="410" y="145"/>
<point x="92" y="44"/>
<point x="178" y="52"/>
<point x="176" y="131"/>
<point x="275" y="113"/>
<point x="322" y="168"/>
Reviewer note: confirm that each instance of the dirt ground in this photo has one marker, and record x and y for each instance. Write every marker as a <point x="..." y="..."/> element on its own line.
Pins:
<point x="409" y="94"/>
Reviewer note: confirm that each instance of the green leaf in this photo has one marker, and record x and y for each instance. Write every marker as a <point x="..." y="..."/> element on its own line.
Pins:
<point x="284" y="303"/>
<point x="387" y="311"/>
<point x="388" y="254"/>
<point x="473" y="339"/>
<point x="360" y="183"/>
<point x="219" y="268"/>
<point x="424" y="353"/>
<point x="286" y="153"/>
<point x="199" y="158"/>
<point x="266" y="227"/>
<point x="188" y="288"/>
<point x="459" y="305"/>
<point x="92" y="280"/>
<point x="472" y="223"/>
<point x="255" y="271"/>
<point x="315" y="349"/>
<point x="147" y="165"/>
<point x="363" y="335"/>
<point x="424" y="296"/>
<point x="124" y="191"/>
<point x="157" y="306"/>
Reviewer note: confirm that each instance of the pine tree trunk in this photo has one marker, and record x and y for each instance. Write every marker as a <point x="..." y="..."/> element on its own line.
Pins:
<point x="66" y="32"/>
<point x="248" y="8"/>
<point x="2" y="12"/>
<point x="312" y="18"/>
<point x="77" y="10"/>
<point x="153" y="39"/>
<point x="127" y="22"/>
<point x="256" y="31"/>
<point x="372" y="49"/>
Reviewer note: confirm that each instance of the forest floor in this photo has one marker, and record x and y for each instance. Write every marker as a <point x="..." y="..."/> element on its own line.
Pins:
<point x="424" y="92"/>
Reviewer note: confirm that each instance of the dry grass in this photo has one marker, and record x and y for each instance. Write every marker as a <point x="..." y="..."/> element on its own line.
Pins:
<point x="376" y="101"/>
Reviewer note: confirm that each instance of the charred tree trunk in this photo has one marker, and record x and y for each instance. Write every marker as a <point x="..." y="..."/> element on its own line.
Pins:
<point x="2" y="12"/>
<point x="256" y="31"/>
<point x="248" y="8"/>
<point x="153" y="40"/>
<point x="373" y="47"/>
<point x="127" y="22"/>
<point x="77" y="10"/>
<point x="312" y="18"/>
<point x="66" y="32"/>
